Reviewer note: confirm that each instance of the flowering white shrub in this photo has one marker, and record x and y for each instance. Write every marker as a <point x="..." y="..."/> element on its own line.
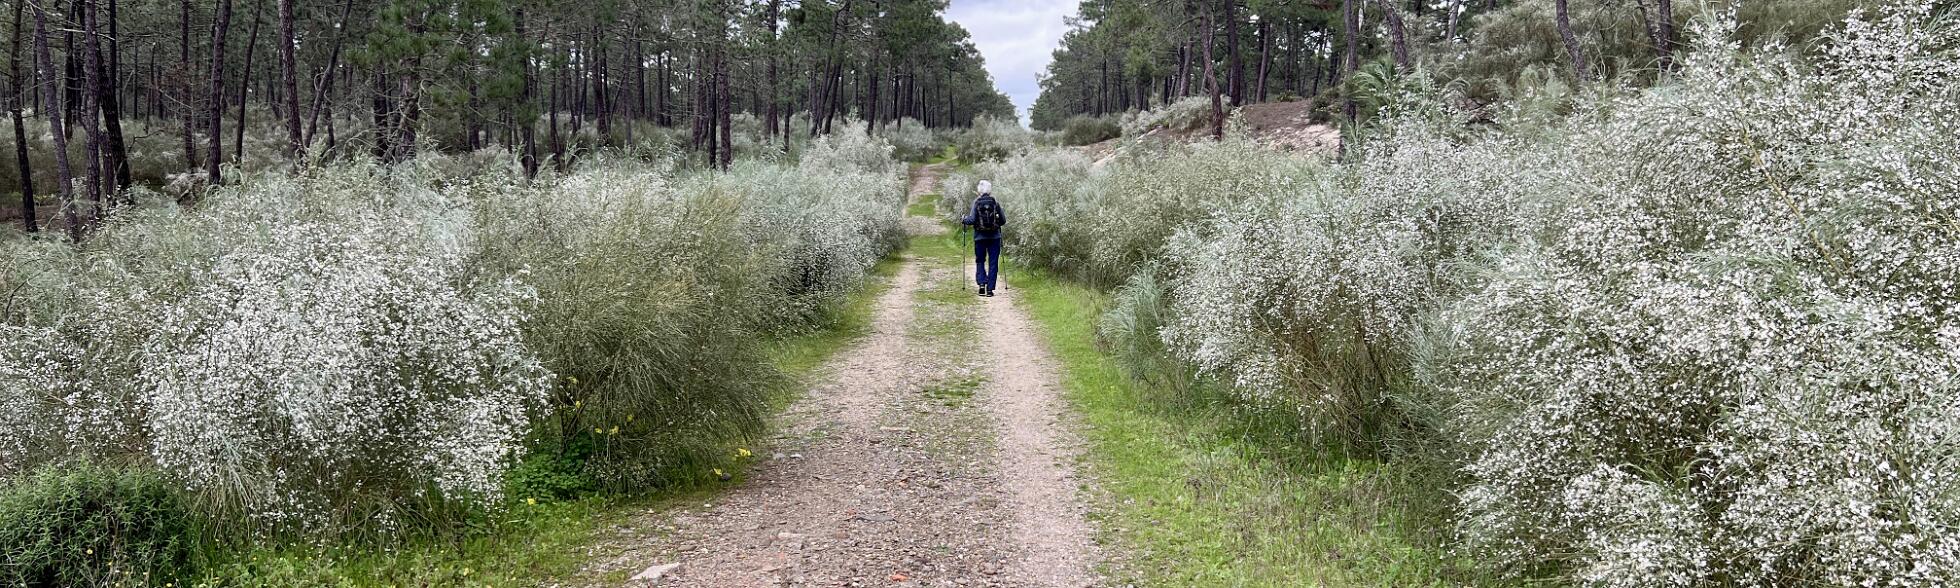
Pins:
<point x="331" y="357"/>
<point x="851" y="150"/>
<point x="993" y="139"/>
<point x="1183" y="115"/>
<point x="1698" y="335"/>
<point x="1731" y="359"/>
<point x="655" y="288"/>
<point x="335" y="347"/>
<point x="912" y="141"/>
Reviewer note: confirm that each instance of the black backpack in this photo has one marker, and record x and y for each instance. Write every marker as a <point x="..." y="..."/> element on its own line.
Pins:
<point x="986" y="215"/>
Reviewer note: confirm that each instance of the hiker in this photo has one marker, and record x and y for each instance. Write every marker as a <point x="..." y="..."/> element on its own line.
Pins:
<point x="986" y="218"/>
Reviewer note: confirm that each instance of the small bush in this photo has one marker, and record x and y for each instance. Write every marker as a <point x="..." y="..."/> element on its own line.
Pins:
<point x="912" y="141"/>
<point x="1183" y="116"/>
<point x="1086" y="130"/>
<point x="84" y="524"/>
<point x="993" y="139"/>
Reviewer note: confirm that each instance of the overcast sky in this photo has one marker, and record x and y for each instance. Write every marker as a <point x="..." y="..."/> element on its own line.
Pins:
<point x="1016" y="37"/>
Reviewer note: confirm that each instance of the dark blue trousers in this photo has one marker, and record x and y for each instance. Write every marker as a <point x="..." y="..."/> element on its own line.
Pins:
<point x="986" y="262"/>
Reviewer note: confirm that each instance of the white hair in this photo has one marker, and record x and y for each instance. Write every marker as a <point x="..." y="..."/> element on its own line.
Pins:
<point x="985" y="187"/>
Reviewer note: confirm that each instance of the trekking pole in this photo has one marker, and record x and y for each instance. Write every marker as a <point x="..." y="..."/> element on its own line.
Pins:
<point x="958" y="238"/>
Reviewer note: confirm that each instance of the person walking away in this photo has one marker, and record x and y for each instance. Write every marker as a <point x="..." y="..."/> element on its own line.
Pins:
<point x="986" y="217"/>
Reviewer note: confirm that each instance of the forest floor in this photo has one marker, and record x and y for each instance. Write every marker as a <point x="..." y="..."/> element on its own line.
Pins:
<point x="934" y="451"/>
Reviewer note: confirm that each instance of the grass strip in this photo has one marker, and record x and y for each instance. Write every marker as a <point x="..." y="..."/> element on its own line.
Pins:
<point x="1198" y="492"/>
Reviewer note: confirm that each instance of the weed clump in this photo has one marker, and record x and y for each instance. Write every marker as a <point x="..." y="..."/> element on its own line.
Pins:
<point x="82" y="523"/>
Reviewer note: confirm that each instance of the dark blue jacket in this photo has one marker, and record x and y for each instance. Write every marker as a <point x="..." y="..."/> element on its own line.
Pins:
<point x="968" y="220"/>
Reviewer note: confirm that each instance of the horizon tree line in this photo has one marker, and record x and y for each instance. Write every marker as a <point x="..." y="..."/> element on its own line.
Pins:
<point x="392" y="78"/>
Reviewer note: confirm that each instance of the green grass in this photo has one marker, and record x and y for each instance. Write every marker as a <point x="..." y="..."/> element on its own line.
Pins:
<point x="954" y="393"/>
<point x="955" y="248"/>
<point x="949" y="155"/>
<point x="528" y="544"/>
<point x="1201" y="492"/>
<point x="924" y="207"/>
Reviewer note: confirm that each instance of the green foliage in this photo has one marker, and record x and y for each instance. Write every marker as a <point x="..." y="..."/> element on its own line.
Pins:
<point x="1625" y="337"/>
<point x="553" y="472"/>
<point x="1085" y="130"/>
<point x="82" y="523"/>
<point x="993" y="139"/>
<point x="1183" y="116"/>
<point x="1203" y="492"/>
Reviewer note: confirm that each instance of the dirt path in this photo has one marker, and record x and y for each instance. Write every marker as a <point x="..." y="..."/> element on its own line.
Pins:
<point x="914" y="461"/>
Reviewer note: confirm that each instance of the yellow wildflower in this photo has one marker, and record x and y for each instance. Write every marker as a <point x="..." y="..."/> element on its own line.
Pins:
<point x="531" y="501"/>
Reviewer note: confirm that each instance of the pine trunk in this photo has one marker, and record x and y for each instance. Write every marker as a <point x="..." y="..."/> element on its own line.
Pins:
<point x="1237" y="80"/>
<point x="1398" y="37"/>
<point x="50" y="99"/>
<point x="92" y="73"/>
<point x="323" y="87"/>
<point x="216" y="109"/>
<point x="1579" y="69"/>
<point x="245" y="85"/>
<point x="186" y="95"/>
<point x="1211" y="84"/>
<point x="1351" y="17"/>
<point x="27" y="208"/>
<point x="289" y="83"/>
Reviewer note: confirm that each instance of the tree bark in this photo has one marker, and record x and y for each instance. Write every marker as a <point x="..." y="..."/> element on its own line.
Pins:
<point x="1456" y="14"/>
<point x="289" y="83"/>
<point x="600" y="104"/>
<point x="1579" y="70"/>
<point x="1265" y="59"/>
<point x="527" y="125"/>
<point x="1211" y="84"/>
<point x="557" y="142"/>
<point x="324" y="86"/>
<point x="1351" y="19"/>
<point x="185" y="94"/>
<point x="411" y="95"/>
<point x="1666" y="18"/>
<point x="1237" y="76"/>
<point x="217" y="108"/>
<point x="27" y="208"/>
<point x="245" y="85"/>
<point x="774" y="94"/>
<point x="724" y="107"/>
<point x="71" y="85"/>
<point x="1398" y="36"/>
<point x="50" y="98"/>
<point x="115" y="158"/>
<point x="91" y="57"/>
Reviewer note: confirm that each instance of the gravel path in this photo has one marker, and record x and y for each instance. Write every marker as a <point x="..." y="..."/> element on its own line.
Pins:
<point x="912" y="462"/>
<point x="1037" y="449"/>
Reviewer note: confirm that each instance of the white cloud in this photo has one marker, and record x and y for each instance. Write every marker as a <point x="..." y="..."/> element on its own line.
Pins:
<point x="1018" y="38"/>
